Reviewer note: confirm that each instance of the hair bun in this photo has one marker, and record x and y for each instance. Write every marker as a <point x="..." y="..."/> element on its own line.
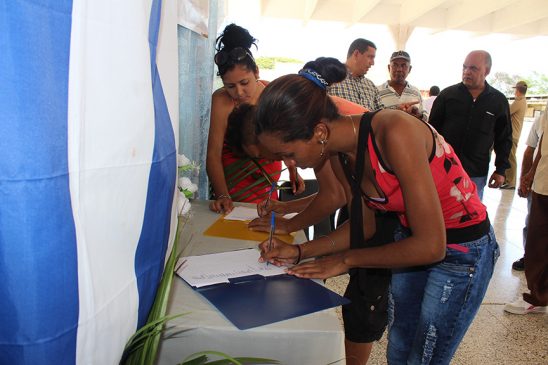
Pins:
<point x="234" y="36"/>
<point x="330" y="69"/>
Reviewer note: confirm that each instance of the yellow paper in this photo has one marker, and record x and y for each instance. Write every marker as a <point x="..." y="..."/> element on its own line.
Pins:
<point x="238" y="230"/>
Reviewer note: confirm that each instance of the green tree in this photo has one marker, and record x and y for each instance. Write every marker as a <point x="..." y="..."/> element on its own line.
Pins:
<point x="269" y="63"/>
<point x="537" y="83"/>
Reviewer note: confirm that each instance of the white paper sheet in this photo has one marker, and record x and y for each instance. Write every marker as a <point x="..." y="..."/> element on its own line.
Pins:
<point x="242" y="214"/>
<point x="248" y="214"/>
<point x="199" y="271"/>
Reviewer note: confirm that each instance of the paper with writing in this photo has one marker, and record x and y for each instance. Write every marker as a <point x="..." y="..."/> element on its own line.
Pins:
<point x="199" y="271"/>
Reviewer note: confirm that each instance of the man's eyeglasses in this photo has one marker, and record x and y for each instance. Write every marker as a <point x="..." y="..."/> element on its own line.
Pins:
<point x="236" y="54"/>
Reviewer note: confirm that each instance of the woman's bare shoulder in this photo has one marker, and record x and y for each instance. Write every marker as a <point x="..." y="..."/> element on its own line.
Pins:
<point x="221" y="101"/>
<point x="220" y="93"/>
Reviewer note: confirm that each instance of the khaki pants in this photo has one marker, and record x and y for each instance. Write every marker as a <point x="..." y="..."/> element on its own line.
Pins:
<point x="511" y="172"/>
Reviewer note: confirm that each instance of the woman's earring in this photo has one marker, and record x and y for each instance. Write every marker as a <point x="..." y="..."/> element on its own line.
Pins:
<point x="323" y="142"/>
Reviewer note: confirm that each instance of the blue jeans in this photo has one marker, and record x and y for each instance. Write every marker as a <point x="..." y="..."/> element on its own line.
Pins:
<point x="480" y="182"/>
<point x="431" y="307"/>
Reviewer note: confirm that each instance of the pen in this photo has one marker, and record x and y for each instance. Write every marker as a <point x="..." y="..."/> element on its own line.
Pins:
<point x="272" y="229"/>
<point x="272" y="188"/>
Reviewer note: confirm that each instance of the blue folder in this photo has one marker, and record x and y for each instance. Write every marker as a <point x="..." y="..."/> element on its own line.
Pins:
<point x="253" y="301"/>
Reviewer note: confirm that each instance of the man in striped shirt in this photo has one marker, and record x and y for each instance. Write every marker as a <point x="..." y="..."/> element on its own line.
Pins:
<point x="397" y="93"/>
<point x="356" y="87"/>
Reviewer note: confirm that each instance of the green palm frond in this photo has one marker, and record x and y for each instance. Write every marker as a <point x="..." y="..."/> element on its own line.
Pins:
<point x="142" y="347"/>
<point x="200" y="358"/>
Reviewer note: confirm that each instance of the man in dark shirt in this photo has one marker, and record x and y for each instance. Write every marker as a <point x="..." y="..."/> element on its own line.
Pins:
<point x="473" y="117"/>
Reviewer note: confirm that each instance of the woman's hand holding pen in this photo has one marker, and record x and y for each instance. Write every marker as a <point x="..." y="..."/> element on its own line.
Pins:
<point x="280" y="254"/>
<point x="268" y="205"/>
<point x="263" y="225"/>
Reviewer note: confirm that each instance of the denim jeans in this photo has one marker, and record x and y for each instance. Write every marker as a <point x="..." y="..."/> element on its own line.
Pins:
<point x="480" y="182"/>
<point x="431" y="307"/>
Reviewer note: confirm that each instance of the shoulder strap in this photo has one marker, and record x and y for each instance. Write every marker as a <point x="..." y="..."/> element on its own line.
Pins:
<point x="356" y="216"/>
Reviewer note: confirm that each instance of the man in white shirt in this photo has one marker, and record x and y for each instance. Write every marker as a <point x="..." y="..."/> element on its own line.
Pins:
<point x="397" y="93"/>
<point x="536" y="253"/>
<point x="433" y="94"/>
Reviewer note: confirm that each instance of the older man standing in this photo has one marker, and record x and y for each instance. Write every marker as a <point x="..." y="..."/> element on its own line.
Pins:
<point x="517" y="113"/>
<point x="473" y="116"/>
<point x="397" y="93"/>
<point x="356" y="87"/>
<point x="535" y="181"/>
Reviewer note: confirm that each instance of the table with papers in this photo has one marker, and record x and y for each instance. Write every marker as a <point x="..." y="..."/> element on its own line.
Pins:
<point x="316" y="338"/>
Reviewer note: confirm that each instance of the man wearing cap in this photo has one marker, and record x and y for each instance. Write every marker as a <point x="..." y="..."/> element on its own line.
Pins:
<point x="473" y="116"/>
<point x="356" y="87"/>
<point x="397" y="93"/>
<point x="517" y="113"/>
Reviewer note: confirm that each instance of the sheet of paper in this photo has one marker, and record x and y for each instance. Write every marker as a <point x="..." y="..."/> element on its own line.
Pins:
<point x="242" y="214"/>
<point x="199" y="271"/>
<point x="248" y="214"/>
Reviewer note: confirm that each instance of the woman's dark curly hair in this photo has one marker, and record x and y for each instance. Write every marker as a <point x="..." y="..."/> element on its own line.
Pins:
<point x="234" y="36"/>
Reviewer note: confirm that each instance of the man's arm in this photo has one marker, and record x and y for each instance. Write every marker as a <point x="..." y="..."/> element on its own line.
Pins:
<point x="514" y="108"/>
<point x="377" y="103"/>
<point x="527" y="179"/>
<point x="503" y="140"/>
<point x="437" y="112"/>
<point x="527" y="162"/>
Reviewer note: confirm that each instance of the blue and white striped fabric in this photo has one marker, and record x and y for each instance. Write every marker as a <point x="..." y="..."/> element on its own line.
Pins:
<point x="87" y="174"/>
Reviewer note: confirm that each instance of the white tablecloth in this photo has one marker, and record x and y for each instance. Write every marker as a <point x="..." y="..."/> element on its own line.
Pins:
<point x="314" y="339"/>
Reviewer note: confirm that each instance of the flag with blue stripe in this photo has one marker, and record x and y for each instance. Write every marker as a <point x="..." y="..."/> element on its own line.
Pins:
<point x="88" y="116"/>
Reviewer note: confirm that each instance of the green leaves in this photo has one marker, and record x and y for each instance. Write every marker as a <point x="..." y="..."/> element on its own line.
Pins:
<point x="142" y="347"/>
<point x="200" y="358"/>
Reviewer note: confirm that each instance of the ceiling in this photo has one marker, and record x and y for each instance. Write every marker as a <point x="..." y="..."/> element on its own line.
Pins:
<point x="520" y="18"/>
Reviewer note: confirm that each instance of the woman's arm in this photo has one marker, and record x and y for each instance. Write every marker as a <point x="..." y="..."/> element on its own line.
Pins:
<point x="283" y="254"/>
<point x="214" y="164"/>
<point x="313" y="209"/>
<point x="405" y="146"/>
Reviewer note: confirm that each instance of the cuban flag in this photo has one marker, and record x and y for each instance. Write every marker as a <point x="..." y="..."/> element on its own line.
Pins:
<point x="88" y="119"/>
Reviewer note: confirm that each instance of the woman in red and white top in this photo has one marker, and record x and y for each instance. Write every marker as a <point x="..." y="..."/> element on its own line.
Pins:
<point x="443" y="253"/>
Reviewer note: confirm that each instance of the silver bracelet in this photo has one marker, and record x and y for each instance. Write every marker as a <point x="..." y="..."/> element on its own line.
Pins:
<point x="332" y="241"/>
<point x="224" y="196"/>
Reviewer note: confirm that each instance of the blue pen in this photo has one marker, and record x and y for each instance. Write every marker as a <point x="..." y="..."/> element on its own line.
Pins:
<point x="272" y="188"/>
<point x="272" y="229"/>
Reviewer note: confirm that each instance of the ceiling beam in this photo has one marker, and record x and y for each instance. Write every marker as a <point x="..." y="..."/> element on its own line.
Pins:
<point x="309" y="9"/>
<point x="538" y="28"/>
<point x="519" y="13"/>
<point x="471" y="10"/>
<point x="411" y="10"/>
<point x="400" y="34"/>
<point x="360" y="8"/>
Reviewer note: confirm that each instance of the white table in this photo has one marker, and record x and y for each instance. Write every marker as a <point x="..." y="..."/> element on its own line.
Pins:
<point x="317" y="338"/>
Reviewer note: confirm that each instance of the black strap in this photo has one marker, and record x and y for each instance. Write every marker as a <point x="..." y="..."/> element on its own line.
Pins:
<point x="356" y="216"/>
